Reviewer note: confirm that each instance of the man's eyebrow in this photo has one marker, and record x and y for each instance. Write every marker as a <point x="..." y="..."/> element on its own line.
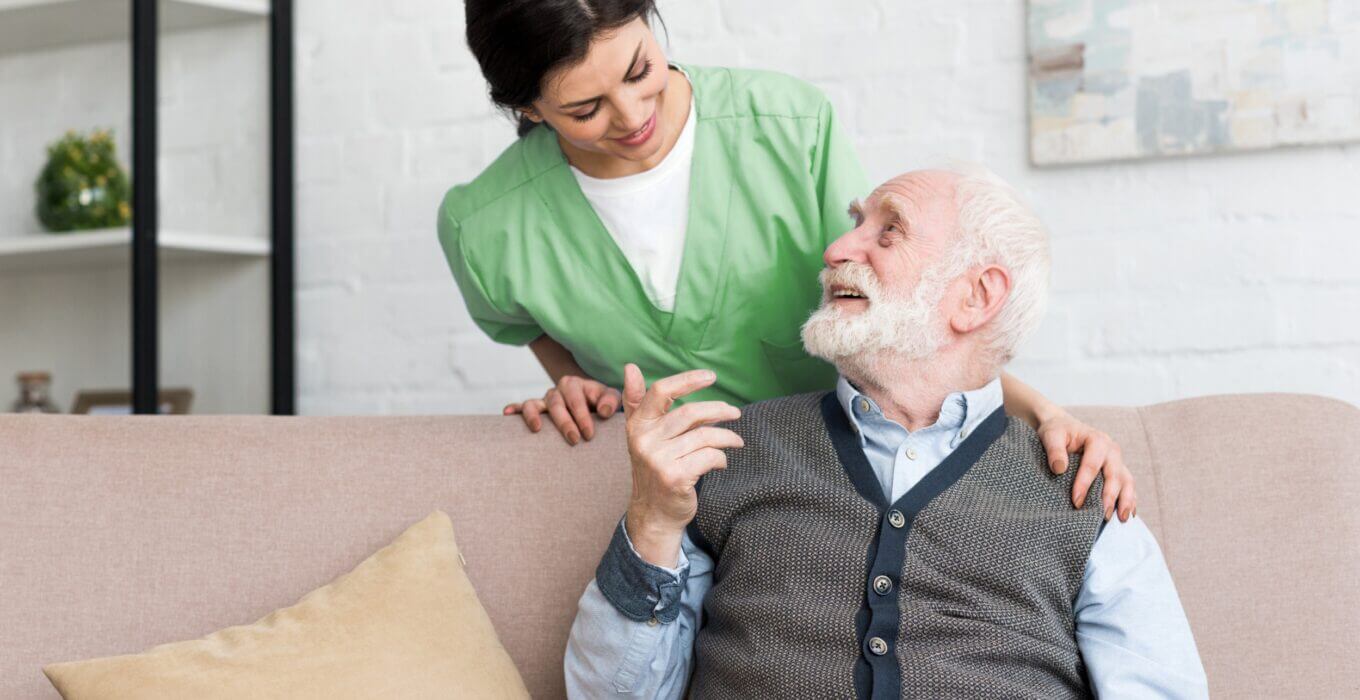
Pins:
<point x="892" y="204"/>
<point x="895" y="206"/>
<point x="631" y="65"/>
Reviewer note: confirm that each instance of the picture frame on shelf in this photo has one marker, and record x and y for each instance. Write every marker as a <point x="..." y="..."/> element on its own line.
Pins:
<point x="118" y="402"/>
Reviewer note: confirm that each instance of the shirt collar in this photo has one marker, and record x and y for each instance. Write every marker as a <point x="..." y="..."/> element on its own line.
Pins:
<point x="961" y="411"/>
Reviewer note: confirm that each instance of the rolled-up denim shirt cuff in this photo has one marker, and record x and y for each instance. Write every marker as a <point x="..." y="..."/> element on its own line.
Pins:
<point x="638" y="589"/>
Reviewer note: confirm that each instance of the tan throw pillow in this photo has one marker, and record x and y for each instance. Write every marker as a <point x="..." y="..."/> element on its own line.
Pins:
<point x="405" y="623"/>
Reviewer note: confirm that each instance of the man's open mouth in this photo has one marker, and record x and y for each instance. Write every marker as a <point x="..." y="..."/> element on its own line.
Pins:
<point x="839" y="292"/>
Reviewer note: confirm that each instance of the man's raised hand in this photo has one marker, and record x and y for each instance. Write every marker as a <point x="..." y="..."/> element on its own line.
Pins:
<point x="670" y="450"/>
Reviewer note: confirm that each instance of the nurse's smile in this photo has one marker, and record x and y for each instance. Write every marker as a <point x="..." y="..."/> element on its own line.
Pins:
<point x="642" y="135"/>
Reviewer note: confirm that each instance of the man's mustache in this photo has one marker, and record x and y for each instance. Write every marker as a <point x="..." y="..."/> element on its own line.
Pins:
<point x="856" y="277"/>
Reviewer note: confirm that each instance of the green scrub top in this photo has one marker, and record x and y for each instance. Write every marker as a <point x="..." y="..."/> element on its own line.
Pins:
<point x="772" y="179"/>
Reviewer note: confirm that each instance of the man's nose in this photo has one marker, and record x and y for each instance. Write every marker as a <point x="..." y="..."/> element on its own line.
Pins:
<point x="847" y="248"/>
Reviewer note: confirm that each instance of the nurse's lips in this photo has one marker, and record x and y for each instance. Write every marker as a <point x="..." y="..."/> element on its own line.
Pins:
<point x="642" y="135"/>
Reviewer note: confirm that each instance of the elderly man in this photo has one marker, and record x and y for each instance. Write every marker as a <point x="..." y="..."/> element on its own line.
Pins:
<point x="900" y="536"/>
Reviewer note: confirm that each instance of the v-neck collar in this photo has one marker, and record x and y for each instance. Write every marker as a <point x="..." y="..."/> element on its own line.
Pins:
<point x="961" y="412"/>
<point x="704" y="259"/>
<point x="949" y="471"/>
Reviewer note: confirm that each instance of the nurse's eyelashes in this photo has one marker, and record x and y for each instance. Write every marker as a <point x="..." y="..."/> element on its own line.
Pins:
<point x="646" y="71"/>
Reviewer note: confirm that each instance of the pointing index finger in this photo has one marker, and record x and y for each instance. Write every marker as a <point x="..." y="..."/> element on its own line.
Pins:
<point x="664" y="392"/>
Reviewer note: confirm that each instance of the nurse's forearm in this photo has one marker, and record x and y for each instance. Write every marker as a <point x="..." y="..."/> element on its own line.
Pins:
<point x="1023" y="402"/>
<point x="557" y="361"/>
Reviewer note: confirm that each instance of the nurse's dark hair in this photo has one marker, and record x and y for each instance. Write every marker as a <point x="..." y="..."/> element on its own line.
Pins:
<point x="519" y="42"/>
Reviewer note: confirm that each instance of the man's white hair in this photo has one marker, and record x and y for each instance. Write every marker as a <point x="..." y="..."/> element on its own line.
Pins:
<point x="996" y="227"/>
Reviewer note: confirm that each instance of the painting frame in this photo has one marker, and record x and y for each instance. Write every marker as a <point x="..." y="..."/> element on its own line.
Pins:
<point x="1118" y="80"/>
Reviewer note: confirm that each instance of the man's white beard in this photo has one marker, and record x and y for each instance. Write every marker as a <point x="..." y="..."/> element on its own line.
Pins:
<point x="899" y="327"/>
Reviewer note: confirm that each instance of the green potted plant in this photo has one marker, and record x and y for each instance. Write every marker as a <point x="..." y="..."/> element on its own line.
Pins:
<point x="82" y="186"/>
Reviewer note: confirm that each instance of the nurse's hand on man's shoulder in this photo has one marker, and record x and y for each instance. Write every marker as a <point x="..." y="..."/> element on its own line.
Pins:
<point x="569" y="405"/>
<point x="669" y="451"/>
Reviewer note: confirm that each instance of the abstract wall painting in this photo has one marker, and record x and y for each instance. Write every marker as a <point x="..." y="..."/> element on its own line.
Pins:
<point x="1120" y="79"/>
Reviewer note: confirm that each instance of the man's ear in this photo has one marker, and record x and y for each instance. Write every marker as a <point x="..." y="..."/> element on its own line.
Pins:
<point x="988" y="288"/>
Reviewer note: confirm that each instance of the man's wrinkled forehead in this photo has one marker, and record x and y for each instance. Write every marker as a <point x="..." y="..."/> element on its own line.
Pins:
<point x="910" y="195"/>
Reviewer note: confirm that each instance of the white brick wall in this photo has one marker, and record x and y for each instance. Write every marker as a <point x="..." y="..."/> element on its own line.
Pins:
<point x="1173" y="278"/>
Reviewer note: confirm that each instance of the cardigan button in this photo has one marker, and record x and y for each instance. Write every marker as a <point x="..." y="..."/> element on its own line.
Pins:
<point x="896" y="519"/>
<point x="882" y="584"/>
<point x="877" y="646"/>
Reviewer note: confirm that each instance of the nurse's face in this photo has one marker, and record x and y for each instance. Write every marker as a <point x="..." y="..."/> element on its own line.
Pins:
<point x="611" y="102"/>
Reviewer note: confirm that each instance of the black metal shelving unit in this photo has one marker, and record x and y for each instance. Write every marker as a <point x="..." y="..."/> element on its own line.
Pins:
<point x="145" y="265"/>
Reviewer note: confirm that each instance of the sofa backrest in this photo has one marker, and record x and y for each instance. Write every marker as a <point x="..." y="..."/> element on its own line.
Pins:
<point x="123" y="533"/>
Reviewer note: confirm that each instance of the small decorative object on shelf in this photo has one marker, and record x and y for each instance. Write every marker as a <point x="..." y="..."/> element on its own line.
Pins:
<point x="118" y="402"/>
<point x="82" y="186"/>
<point x="33" y="393"/>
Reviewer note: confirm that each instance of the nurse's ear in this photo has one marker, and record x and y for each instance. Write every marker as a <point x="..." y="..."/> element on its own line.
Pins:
<point x="532" y="115"/>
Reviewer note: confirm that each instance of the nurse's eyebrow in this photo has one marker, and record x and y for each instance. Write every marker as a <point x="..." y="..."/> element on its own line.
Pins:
<point x="633" y="64"/>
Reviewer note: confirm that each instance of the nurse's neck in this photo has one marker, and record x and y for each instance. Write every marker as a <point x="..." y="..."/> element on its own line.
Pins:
<point x="673" y="111"/>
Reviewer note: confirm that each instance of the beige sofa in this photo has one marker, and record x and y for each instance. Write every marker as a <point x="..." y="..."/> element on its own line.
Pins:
<point x="122" y="533"/>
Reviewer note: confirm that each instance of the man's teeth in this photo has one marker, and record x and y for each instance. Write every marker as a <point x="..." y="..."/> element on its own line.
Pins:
<point x="846" y="294"/>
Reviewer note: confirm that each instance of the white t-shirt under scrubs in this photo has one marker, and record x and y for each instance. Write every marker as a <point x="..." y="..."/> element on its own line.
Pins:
<point x="647" y="215"/>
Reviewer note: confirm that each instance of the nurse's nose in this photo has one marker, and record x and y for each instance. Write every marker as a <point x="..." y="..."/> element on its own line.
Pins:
<point x="632" y="117"/>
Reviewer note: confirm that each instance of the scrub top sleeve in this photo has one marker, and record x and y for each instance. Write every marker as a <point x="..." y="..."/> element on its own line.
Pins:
<point x="837" y="172"/>
<point x="495" y="319"/>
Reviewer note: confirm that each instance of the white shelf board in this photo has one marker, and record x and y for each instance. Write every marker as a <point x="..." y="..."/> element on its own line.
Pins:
<point x="28" y="25"/>
<point x="47" y="251"/>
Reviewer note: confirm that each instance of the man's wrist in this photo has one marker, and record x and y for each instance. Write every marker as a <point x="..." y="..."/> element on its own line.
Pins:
<point x="635" y="587"/>
<point x="657" y="543"/>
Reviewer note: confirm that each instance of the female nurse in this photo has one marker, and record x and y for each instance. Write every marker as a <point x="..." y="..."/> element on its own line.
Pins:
<point x="668" y="215"/>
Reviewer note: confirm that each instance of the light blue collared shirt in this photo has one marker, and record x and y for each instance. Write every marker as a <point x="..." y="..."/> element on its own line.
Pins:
<point x="1130" y="628"/>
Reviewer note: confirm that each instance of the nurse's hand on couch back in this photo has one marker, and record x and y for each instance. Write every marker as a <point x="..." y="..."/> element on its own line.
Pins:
<point x="569" y="405"/>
